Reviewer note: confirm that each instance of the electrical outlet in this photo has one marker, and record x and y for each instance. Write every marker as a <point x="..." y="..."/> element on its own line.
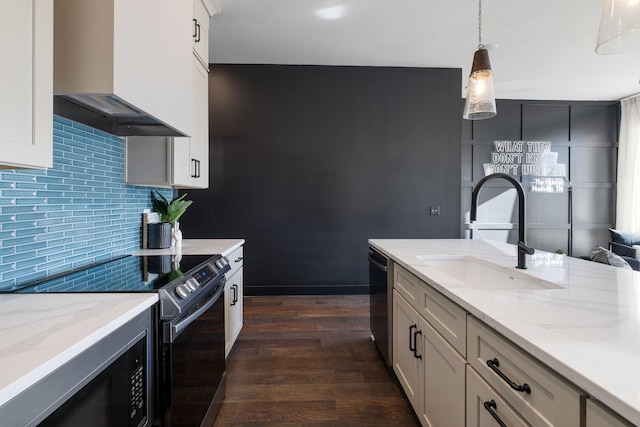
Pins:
<point x="434" y="210"/>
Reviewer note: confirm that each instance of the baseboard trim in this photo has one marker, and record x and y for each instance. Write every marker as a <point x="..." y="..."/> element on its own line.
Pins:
<point x="280" y="290"/>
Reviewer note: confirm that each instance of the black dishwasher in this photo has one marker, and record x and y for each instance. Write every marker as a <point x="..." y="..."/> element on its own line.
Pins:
<point x="380" y="302"/>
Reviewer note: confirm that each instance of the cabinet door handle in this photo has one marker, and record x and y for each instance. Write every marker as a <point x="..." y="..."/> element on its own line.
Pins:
<point x="415" y="344"/>
<point x="494" y="364"/>
<point x="195" y="28"/>
<point x="491" y="406"/>
<point x="411" y="336"/>
<point x="198" y="165"/>
<point x="195" y="168"/>
<point x="196" y="31"/>
<point x="234" y="288"/>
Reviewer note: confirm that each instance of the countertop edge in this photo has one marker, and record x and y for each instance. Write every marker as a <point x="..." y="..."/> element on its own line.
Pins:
<point x="197" y="247"/>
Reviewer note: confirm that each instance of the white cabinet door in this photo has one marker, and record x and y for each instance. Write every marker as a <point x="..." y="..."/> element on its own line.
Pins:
<point x="442" y="386"/>
<point x="175" y="162"/>
<point x="201" y="32"/>
<point x="233" y="309"/>
<point x="406" y="365"/>
<point x="26" y="83"/>
<point x="199" y="146"/>
<point x="191" y="155"/>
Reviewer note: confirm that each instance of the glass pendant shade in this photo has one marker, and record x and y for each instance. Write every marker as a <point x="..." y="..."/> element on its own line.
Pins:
<point x="619" y="27"/>
<point x="480" y="102"/>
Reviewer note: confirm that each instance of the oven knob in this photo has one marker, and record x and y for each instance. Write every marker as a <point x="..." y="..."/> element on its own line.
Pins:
<point x="182" y="291"/>
<point x="221" y="263"/>
<point x="192" y="284"/>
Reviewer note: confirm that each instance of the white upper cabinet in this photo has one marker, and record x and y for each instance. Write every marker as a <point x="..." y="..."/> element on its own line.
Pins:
<point x="26" y="83"/>
<point x="191" y="155"/>
<point x="131" y="54"/>
<point x="179" y="162"/>
<point x="201" y="32"/>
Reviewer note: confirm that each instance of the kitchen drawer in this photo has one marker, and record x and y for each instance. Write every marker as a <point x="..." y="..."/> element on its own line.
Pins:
<point x="235" y="259"/>
<point x="408" y="285"/>
<point x="446" y="317"/>
<point x="599" y="415"/>
<point x="481" y="399"/>
<point x="552" y="401"/>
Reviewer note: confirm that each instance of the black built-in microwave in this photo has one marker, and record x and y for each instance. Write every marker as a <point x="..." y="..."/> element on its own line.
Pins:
<point x="116" y="397"/>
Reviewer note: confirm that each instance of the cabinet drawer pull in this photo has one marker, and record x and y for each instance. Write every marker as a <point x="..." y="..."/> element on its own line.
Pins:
<point x="238" y="259"/>
<point x="494" y="364"/>
<point x="415" y="344"/>
<point x="491" y="406"/>
<point x="411" y="337"/>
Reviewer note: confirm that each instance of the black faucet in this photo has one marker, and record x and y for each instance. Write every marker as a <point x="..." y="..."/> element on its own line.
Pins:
<point x="523" y="249"/>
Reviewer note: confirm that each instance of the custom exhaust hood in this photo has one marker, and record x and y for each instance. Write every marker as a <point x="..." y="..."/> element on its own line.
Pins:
<point x="111" y="114"/>
<point x="124" y="67"/>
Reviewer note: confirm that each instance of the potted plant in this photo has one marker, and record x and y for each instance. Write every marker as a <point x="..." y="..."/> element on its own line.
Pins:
<point x="170" y="212"/>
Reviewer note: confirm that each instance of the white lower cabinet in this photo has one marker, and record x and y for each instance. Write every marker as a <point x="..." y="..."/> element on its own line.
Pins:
<point x="405" y="364"/>
<point x="541" y="396"/>
<point x="233" y="300"/>
<point x="485" y="407"/>
<point x="457" y="371"/>
<point x="430" y="370"/>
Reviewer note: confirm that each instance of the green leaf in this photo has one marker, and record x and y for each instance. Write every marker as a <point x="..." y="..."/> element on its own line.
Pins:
<point x="169" y="211"/>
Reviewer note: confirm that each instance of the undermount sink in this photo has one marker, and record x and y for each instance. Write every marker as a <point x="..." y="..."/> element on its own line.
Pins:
<point x="481" y="274"/>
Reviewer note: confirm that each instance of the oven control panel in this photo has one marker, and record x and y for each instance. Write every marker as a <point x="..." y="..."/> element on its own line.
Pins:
<point x="205" y="275"/>
<point x="199" y="279"/>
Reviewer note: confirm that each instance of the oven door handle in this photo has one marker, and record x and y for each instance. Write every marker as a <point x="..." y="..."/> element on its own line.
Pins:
<point x="175" y="329"/>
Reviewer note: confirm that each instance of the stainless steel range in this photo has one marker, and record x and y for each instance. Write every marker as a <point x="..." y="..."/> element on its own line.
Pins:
<point x="190" y="359"/>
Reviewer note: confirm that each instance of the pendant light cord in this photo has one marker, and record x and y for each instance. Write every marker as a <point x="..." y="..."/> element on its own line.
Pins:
<point x="480" y="46"/>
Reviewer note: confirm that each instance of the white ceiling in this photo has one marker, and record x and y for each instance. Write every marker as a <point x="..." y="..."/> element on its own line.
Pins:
<point x="546" y="47"/>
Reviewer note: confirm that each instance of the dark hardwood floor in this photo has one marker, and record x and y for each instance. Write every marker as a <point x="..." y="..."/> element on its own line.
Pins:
<point x="309" y="361"/>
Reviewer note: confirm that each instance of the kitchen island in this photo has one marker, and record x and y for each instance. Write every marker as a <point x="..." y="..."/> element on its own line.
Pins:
<point x="580" y="319"/>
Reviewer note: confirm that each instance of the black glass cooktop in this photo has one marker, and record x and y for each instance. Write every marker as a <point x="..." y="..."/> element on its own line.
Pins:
<point x="132" y="273"/>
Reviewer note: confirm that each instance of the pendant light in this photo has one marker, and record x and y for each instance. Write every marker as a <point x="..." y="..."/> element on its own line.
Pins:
<point x="480" y="102"/>
<point x="619" y="27"/>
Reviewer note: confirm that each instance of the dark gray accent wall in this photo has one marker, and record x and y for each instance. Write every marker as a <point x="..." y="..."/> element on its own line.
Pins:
<point x="309" y="162"/>
<point x="585" y="136"/>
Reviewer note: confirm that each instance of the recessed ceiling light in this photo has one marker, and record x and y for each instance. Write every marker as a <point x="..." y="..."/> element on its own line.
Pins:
<point x="331" y="12"/>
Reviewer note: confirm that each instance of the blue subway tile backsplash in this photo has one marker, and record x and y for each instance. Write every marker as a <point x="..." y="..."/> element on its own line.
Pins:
<point x="78" y="212"/>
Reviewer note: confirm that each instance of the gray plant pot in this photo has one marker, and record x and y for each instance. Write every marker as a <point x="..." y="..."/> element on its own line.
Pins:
<point x="159" y="235"/>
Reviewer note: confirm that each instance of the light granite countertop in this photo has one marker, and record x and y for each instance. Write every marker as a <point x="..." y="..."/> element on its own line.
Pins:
<point x="41" y="332"/>
<point x="587" y="330"/>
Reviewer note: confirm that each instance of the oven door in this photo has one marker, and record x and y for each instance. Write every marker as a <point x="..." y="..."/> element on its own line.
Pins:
<point x="193" y="363"/>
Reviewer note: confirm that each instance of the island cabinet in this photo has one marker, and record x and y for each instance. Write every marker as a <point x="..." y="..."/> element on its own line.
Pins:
<point x="509" y="384"/>
<point x="428" y="352"/>
<point x="26" y="79"/>
<point x="457" y="371"/>
<point x="233" y="294"/>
